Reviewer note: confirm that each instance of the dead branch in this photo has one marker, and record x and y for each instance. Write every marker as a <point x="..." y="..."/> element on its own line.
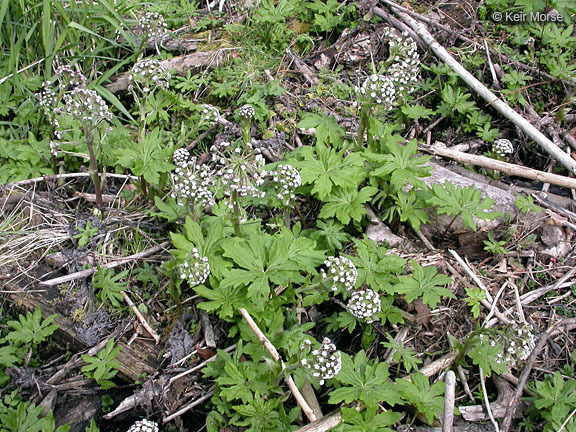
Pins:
<point x="449" y="394"/>
<point x="440" y="149"/>
<point x="274" y="353"/>
<point x="90" y="271"/>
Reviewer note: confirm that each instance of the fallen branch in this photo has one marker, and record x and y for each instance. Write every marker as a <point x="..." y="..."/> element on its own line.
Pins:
<point x="498" y="104"/>
<point x="449" y="396"/>
<point x="141" y="318"/>
<point x="440" y="149"/>
<point x="272" y="350"/>
<point x="90" y="271"/>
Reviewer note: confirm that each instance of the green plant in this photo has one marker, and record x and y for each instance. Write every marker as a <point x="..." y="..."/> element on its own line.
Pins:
<point x="427" y="399"/>
<point x="497" y="247"/>
<point x="31" y="329"/>
<point x="460" y="201"/>
<point x="425" y="283"/>
<point x="554" y="401"/>
<point x="401" y="353"/>
<point x="526" y="204"/>
<point x="474" y="297"/>
<point x="102" y="367"/>
<point x="110" y="288"/>
<point x="367" y="421"/>
<point x="18" y="416"/>
<point x="86" y="234"/>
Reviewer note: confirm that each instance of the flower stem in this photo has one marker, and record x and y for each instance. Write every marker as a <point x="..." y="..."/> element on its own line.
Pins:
<point x="364" y="111"/>
<point x="236" y="216"/>
<point x="93" y="165"/>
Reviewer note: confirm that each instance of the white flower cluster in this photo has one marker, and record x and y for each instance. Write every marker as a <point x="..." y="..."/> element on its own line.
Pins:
<point x="240" y="169"/>
<point x="502" y="147"/>
<point x="151" y="26"/>
<point x="401" y="76"/>
<point x="86" y="105"/>
<point x="144" y="426"/>
<point x="406" y="62"/>
<point x="284" y="181"/>
<point x="365" y="304"/>
<point x="47" y="97"/>
<point x="342" y="271"/>
<point x="246" y="112"/>
<point x="192" y="183"/>
<point x="326" y="361"/>
<point x="379" y="89"/>
<point x="69" y="78"/>
<point x="195" y="269"/>
<point x="210" y="113"/>
<point x="517" y="341"/>
<point x="148" y="75"/>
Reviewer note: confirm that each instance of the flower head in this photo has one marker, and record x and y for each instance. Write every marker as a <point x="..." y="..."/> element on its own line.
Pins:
<point x="86" y="105"/>
<point x="152" y="27"/>
<point x="195" y="269"/>
<point x="69" y="78"/>
<point x="365" y="304"/>
<point x="144" y="426"/>
<point x="325" y="362"/>
<point x="148" y="75"/>
<point x="210" y="113"/>
<point x="379" y="89"/>
<point x="246" y="112"/>
<point x="342" y="271"/>
<point x="502" y="147"/>
<point x="191" y="183"/>
<point x="284" y="181"/>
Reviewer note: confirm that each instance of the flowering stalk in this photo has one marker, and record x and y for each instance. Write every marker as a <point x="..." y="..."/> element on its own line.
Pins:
<point x="246" y="114"/>
<point x="93" y="164"/>
<point x="236" y="215"/>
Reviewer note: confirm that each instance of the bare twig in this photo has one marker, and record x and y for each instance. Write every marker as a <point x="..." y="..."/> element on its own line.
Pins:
<point x="492" y="100"/>
<point x="199" y="366"/>
<point x="449" y="395"/>
<point x="440" y="149"/>
<point x="141" y="318"/>
<point x="568" y="324"/>
<point x="90" y="271"/>
<point x="488" y="302"/>
<point x="487" y="402"/>
<point x="189" y="406"/>
<point x="272" y="350"/>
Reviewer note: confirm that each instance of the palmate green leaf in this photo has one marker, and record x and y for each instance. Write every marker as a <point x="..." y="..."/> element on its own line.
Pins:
<point x="31" y="329"/>
<point x="224" y="300"/>
<point x="426" y="283"/>
<point x="486" y="357"/>
<point x="329" y="234"/>
<point x="401" y="165"/>
<point x="328" y="131"/>
<point x="261" y="260"/>
<point x="110" y="286"/>
<point x="406" y="355"/>
<point x="367" y="421"/>
<point x="102" y="367"/>
<point x="148" y="158"/>
<point x="376" y="267"/>
<point x="364" y="381"/>
<point x="347" y="204"/>
<point x="169" y="209"/>
<point x="466" y="202"/>
<point x="428" y="400"/>
<point x="8" y="357"/>
<point x="554" y="400"/>
<point x="240" y="380"/>
<point x="325" y="168"/>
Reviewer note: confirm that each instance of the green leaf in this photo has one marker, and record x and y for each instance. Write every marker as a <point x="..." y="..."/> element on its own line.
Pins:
<point x="425" y="283"/>
<point x="466" y="202"/>
<point x="31" y="329"/>
<point x="108" y="282"/>
<point x="401" y="353"/>
<point x="367" y="421"/>
<point x="328" y="131"/>
<point x="325" y="168"/>
<point x="364" y="381"/>
<point x="428" y="400"/>
<point x="169" y="209"/>
<point x="347" y="204"/>
<point x="8" y="357"/>
<point x="102" y="367"/>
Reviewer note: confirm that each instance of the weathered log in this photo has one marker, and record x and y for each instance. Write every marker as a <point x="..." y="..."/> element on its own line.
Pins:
<point x="138" y="358"/>
<point x="181" y="64"/>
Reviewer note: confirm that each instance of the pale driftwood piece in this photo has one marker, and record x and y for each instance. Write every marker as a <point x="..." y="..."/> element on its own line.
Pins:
<point x="310" y="397"/>
<point x="379" y="232"/>
<point x="181" y="64"/>
<point x="440" y="149"/>
<point x="497" y="409"/>
<point x="449" y="396"/>
<point x="274" y="353"/>
<point x="332" y="420"/>
<point x="533" y="295"/>
<point x="492" y="100"/>
<point x="208" y="330"/>
<point x="113" y="264"/>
